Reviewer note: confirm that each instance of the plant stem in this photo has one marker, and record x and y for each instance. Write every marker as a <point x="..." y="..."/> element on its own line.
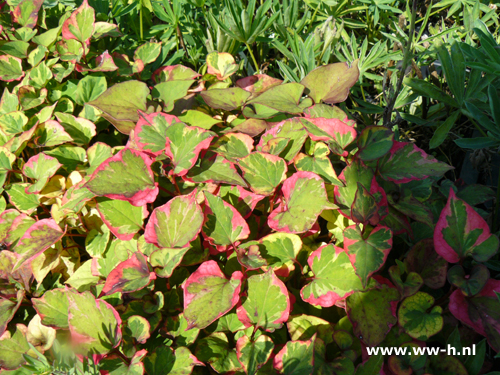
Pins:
<point x="406" y="59"/>
<point x="314" y="16"/>
<point x="253" y="58"/>
<point x="140" y="22"/>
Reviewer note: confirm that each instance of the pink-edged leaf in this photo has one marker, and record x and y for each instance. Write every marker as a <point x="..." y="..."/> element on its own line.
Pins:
<point x="406" y="162"/>
<point x="174" y="73"/>
<point x="39" y="237"/>
<point x="150" y="132"/>
<point x="164" y="360"/>
<point x="103" y="63"/>
<point x="234" y="146"/>
<point x="221" y="64"/>
<point x="290" y="129"/>
<point x="125" y="176"/>
<point x="224" y="226"/>
<point x="122" y="218"/>
<point x="304" y="198"/>
<point x="267" y="304"/>
<point x="26" y="13"/>
<point x="481" y="312"/>
<point x="11" y="68"/>
<point x="334" y="277"/>
<point x="208" y="294"/>
<point x="53" y="307"/>
<point x="243" y="200"/>
<point x="215" y="169"/>
<point x="373" y="313"/>
<point x="184" y="144"/>
<point x="129" y="276"/>
<point x="94" y="324"/>
<point x="176" y="223"/>
<point x="336" y="133"/>
<point x="296" y="357"/>
<point x="367" y="253"/>
<point x="253" y="354"/>
<point x="263" y="171"/>
<point x="257" y="83"/>
<point x="40" y="167"/>
<point x="80" y="25"/>
<point x="8" y="308"/>
<point x="461" y="232"/>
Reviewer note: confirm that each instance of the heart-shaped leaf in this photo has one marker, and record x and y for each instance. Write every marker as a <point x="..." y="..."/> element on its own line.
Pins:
<point x="122" y="218"/>
<point x="40" y="167"/>
<point x="150" y="132"/>
<point x="470" y="284"/>
<point x="208" y="294"/>
<point x="296" y="357"/>
<point x="176" y="223"/>
<point x="462" y="232"/>
<point x="304" y="198"/>
<point x="98" y="335"/>
<point x="374" y="142"/>
<point x="26" y="12"/>
<point x="367" y="253"/>
<point x="125" y="176"/>
<point x="221" y="64"/>
<point x="334" y="277"/>
<point x="129" y="276"/>
<point x="264" y="172"/>
<point x="253" y="354"/>
<point x="331" y="83"/>
<point x="80" y="25"/>
<point x="11" y="68"/>
<point x="267" y="304"/>
<point x="417" y="318"/>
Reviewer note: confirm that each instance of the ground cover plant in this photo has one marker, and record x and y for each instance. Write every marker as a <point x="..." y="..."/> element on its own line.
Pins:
<point x="233" y="187"/>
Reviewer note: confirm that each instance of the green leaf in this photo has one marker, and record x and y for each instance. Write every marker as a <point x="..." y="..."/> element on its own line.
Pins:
<point x="253" y="354"/>
<point x="10" y="68"/>
<point x="304" y="198"/>
<point x="334" y="277"/>
<point x="96" y="243"/>
<point x="267" y="304"/>
<point x="83" y="278"/>
<point x="151" y="131"/>
<point x="331" y="83"/>
<point x="13" y="348"/>
<point x="303" y="327"/>
<point x="223" y="225"/>
<point x="443" y="129"/>
<point x="148" y="52"/>
<point x="129" y="276"/>
<point x="125" y="176"/>
<point x="417" y="318"/>
<point x="296" y="358"/>
<point x="367" y="253"/>
<point x="228" y="99"/>
<point x="51" y="133"/>
<point x="53" y="307"/>
<point x="39" y="237"/>
<point x="216" y="351"/>
<point x="26" y="12"/>
<point x="208" y="295"/>
<point x="184" y="144"/>
<point x="462" y="232"/>
<point x="138" y="327"/>
<point x="21" y="200"/>
<point x="429" y="90"/>
<point x="167" y="259"/>
<point x="373" y="313"/>
<point x="280" y="249"/>
<point x="40" y="167"/>
<point x="406" y="162"/>
<point x="122" y="218"/>
<point x="282" y="98"/>
<point x="120" y="104"/>
<point x="471" y="284"/>
<point x="69" y="50"/>
<point x="221" y="65"/>
<point x="264" y="172"/>
<point x="80" y="129"/>
<point x="234" y="146"/>
<point x="80" y="25"/>
<point x="171" y="91"/>
<point x="291" y="129"/>
<point x="164" y="360"/>
<point x="8" y="307"/>
<point x="98" y="335"/>
<point x="216" y="169"/>
<point x="90" y="88"/>
<point x="374" y="142"/>
<point x="199" y="119"/>
<point x="319" y="164"/>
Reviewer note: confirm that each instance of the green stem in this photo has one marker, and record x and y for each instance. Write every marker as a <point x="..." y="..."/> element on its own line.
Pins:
<point x="313" y="17"/>
<point x="140" y="23"/>
<point x="253" y="58"/>
<point x="479" y="128"/>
